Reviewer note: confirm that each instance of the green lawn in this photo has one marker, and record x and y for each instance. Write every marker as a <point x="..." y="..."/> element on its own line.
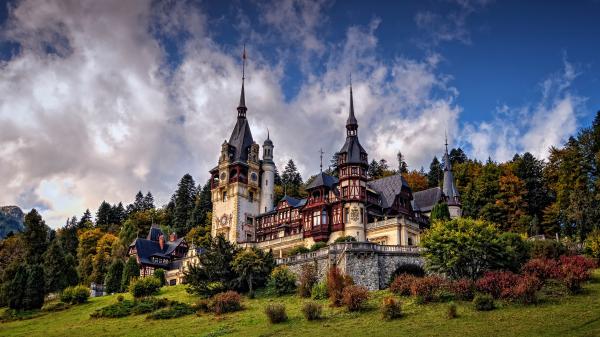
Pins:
<point x="570" y="316"/>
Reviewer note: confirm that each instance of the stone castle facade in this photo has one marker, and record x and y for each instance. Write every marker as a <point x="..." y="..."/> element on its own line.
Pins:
<point x="383" y="211"/>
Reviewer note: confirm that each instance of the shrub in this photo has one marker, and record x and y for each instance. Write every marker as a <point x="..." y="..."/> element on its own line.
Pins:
<point x="336" y="282"/>
<point x="276" y="313"/>
<point x="282" y="281"/>
<point x="312" y="310"/>
<point x="525" y="290"/>
<point x="462" y="289"/>
<point x="592" y="244"/>
<point x="120" y="298"/>
<point x="299" y="250"/>
<point x="319" y="291"/>
<point x="75" y="295"/>
<point x="160" y="275"/>
<point x="229" y="301"/>
<point x="317" y="246"/>
<point x="347" y="238"/>
<point x="546" y="249"/>
<point x="483" y="302"/>
<point x="308" y="278"/>
<point x="176" y="309"/>
<point x="574" y="271"/>
<point x="119" y="309"/>
<point x="499" y="284"/>
<point x="202" y="305"/>
<point x="452" y="311"/>
<point x="542" y="268"/>
<point x="149" y="305"/>
<point x="354" y="297"/>
<point x="391" y="308"/>
<point x="56" y="306"/>
<point x="428" y="289"/>
<point x="144" y="287"/>
<point x="402" y="284"/>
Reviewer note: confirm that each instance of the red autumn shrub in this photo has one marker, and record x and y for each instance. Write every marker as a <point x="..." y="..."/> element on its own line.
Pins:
<point x="428" y="288"/>
<point x="402" y="284"/>
<point x="462" y="289"/>
<point x="574" y="271"/>
<point x="525" y="290"/>
<point x="229" y="301"/>
<point x="354" y="297"/>
<point x="497" y="283"/>
<point x="336" y="282"/>
<point x="543" y="269"/>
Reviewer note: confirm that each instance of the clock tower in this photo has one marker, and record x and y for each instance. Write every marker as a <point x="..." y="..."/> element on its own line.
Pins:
<point x="235" y="182"/>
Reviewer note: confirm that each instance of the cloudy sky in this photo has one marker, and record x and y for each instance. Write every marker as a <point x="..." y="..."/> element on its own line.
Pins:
<point x="100" y="99"/>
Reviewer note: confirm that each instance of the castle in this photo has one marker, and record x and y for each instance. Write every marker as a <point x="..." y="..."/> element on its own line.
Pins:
<point x="383" y="211"/>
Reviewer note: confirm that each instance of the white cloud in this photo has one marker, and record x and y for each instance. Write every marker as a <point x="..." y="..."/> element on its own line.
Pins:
<point x="534" y="127"/>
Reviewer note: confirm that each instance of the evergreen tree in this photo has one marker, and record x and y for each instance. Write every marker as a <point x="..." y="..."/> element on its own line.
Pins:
<point x="402" y="166"/>
<point x="531" y="171"/>
<point x="114" y="277"/>
<point x="457" y="156"/>
<point x="104" y="216"/>
<point x="440" y="212"/>
<point x="15" y="289"/>
<point x="86" y="220"/>
<point x="130" y="271"/>
<point x="374" y="171"/>
<point x="333" y="166"/>
<point x="55" y="268"/>
<point x="148" y="201"/>
<point x="118" y="214"/>
<point x="436" y="172"/>
<point x="249" y="266"/>
<point x="291" y="179"/>
<point x="183" y="199"/>
<point x="70" y="270"/>
<point x="35" y="236"/>
<point x="34" y="288"/>
<point x="202" y="206"/>
<point x="67" y="236"/>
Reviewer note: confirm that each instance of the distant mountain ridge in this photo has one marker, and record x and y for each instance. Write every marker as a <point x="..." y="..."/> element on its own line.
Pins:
<point x="11" y="220"/>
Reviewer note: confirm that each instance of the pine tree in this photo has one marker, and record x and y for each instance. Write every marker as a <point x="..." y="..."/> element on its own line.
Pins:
<point x="67" y="236"/>
<point x="440" y="212"/>
<point x="130" y="271"/>
<point x="35" y="236"/>
<point x="148" y="201"/>
<point x="457" y="156"/>
<point x="114" y="277"/>
<point x="34" y="289"/>
<point x="86" y="220"/>
<point x="184" y="204"/>
<point x="70" y="270"/>
<point x="292" y="180"/>
<point x="435" y="173"/>
<point x="402" y="166"/>
<point x="117" y="214"/>
<point x="15" y="290"/>
<point x="104" y="216"/>
<point x="55" y="268"/>
<point x="202" y="206"/>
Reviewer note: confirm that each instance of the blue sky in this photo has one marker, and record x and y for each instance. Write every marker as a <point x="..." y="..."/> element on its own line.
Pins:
<point x="101" y="99"/>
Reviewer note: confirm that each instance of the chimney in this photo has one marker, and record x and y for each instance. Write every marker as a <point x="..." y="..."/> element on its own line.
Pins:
<point x="172" y="237"/>
<point x="161" y="241"/>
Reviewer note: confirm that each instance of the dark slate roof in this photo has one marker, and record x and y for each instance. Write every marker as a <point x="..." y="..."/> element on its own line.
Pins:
<point x="154" y="233"/>
<point x="323" y="179"/>
<point x="425" y="200"/>
<point x="293" y="202"/>
<point x="241" y="140"/>
<point x="353" y="148"/>
<point x="148" y="248"/>
<point x="388" y="188"/>
<point x="351" y="119"/>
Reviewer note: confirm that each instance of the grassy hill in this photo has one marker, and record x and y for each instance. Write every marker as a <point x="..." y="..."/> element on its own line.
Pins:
<point x="569" y="316"/>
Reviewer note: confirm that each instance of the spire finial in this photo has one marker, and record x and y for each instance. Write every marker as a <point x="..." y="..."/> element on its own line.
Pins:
<point x="446" y="139"/>
<point x="242" y="106"/>
<point x="321" y="154"/>
<point x="351" y="123"/>
<point x="268" y="134"/>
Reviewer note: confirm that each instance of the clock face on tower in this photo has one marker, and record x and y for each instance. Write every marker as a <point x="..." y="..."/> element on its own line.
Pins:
<point x="223" y="220"/>
<point x="354" y="214"/>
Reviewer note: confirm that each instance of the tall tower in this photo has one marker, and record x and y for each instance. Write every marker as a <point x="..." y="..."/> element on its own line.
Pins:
<point x="267" y="185"/>
<point x="352" y="165"/>
<point x="235" y="186"/>
<point x="449" y="188"/>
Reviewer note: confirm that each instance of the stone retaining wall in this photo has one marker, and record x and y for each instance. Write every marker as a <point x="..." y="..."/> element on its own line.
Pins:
<point x="370" y="265"/>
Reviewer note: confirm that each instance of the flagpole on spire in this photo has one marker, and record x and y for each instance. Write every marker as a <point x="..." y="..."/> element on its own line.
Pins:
<point x="244" y="63"/>
<point x="242" y="106"/>
<point x="321" y="154"/>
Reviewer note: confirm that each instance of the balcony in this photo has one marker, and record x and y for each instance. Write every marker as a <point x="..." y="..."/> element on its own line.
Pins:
<point x="280" y="241"/>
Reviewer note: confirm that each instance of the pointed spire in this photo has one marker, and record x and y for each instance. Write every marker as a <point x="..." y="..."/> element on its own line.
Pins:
<point x="242" y="106"/>
<point x="447" y="164"/>
<point x="351" y="123"/>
